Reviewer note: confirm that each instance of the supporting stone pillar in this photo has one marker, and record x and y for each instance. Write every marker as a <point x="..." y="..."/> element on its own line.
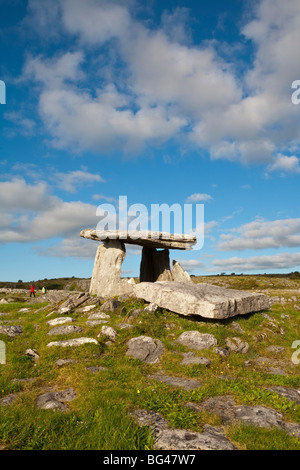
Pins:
<point x="106" y="278"/>
<point x="155" y="265"/>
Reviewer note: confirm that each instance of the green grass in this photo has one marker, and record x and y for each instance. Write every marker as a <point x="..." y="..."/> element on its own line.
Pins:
<point x="100" y="416"/>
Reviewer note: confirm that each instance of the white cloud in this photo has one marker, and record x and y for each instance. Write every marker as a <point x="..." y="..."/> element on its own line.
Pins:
<point x="74" y="179"/>
<point x="71" y="246"/>
<point x="191" y="264"/>
<point x="257" y="263"/>
<point x="197" y="197"/>
<point x="261" y="234"/>
<point x="96" y="21"/>
<point x="169" y="88"/>
<point x="285" y="164"/>
<point x="30" y="213"/>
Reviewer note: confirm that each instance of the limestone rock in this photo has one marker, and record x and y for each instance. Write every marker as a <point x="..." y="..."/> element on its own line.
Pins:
<point x="11" y="330"/>
<point x="196" y="340"/>
<point x="149" y="239"/>
<point x="237" y="345"/>
<point x="32" y="353"/>
<point x="63" y="362"/>
<point x="178" y="273"/>
<point x="206" y="300"/>
<point x="55" y="400"/>
<point x="155" y="265"/>
<point x="145" y="349"/>
<point x="189" y="358"/>
<point x="95" y="322"/>
<point x="180" y="439"/>
<point x="60" y="321"/>
<point x="8" y="399"/>
<point x="110" y="305"/>
<point x="106" y="277"/>
<point x="108" y="331"/>
<point x="73" y="342"/>
<point x="65" y="330"/>
<point x="74" y="302"/>
<point x="186" y="384"/>
<point x="152" y="308"/>
<point x="98" y="316"/>
<point x="259" y="416"/>
<point x="212" y="438"/>
<point x="289" y="393"/>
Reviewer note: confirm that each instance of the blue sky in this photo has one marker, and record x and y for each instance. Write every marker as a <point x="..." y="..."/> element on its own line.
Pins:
<point x="169" y="102"/>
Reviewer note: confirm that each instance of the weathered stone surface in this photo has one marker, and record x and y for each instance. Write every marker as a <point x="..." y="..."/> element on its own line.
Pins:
<point x="145" y="349"/>
<point x="189" y="358"/>
<point x="179" y="274"/>
<point x="186" y="384"/>
<point x="212" y="438"/>
<point x="155" y="265"/>
<point x="260" y="416"/>
<point x="74" y="302"/>
<point x="152" y="308"/>
<point x="149" y="239"/>
<point x="180" y="439"/>
<point x="88" y="308"/>
<point x="64" y="362"/>
<point x="65" y="330"/>
<point x="8" y="399"/>
<point x="60" y="321"/>
<point x="11" y="330"/>
<point x="110" y="305"/>
<point x="73" y="342"/>
<point x="196" y="340"/>
<point x="221" y="351"/>
<point x="106" y="277"/>
<point x="55" y="400"/>
<point x="108" y="331"/>
<point x="95" y="322"/>
<point x="237" y="345"/>
<point x="98" y="316"/>
<point x="286" y="392"/>
<point x="32" y="353"/>
<point x="206" y="300"/>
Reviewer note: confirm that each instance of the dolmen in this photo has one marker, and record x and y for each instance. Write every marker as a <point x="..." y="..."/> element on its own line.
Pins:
<point x="168" y="288"/>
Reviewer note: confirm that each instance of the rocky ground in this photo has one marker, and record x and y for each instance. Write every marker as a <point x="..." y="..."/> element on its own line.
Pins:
<point x="243" y="371"/>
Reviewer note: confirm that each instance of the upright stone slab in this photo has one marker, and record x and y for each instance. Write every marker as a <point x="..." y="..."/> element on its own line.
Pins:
<point x="178" y="273"/>
<point x="106" y="278"/>
<point x="155" y="265"/>
<point x="205" y="300"/>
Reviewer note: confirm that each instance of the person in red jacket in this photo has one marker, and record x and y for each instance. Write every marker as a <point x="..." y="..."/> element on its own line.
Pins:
<point x="32" y="293"/>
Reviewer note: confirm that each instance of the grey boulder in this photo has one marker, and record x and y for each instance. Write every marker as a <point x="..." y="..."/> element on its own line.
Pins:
<point x="145" y="349"/>
<point x="196" y="340"/>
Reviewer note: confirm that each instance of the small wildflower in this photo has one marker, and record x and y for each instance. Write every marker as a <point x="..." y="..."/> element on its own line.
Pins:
<point x="138" y="391"/>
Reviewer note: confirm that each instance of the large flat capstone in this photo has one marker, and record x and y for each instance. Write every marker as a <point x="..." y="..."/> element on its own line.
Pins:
<point x="149" y="239"/>
<point x="205" y="300"/>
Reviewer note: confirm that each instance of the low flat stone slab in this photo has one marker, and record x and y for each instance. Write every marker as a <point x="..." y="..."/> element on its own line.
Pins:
<point x="60" y="321"/>
<point x="73" y="342"/>
<point x="205" y="300"/>
<point x="212" y="438"/>
<point x="55" y="400"/>
<point x="149" y="239"/>
<point x="65" y="330"/>
<point x="186" y="384"/>
<point x="195" y="340"/>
